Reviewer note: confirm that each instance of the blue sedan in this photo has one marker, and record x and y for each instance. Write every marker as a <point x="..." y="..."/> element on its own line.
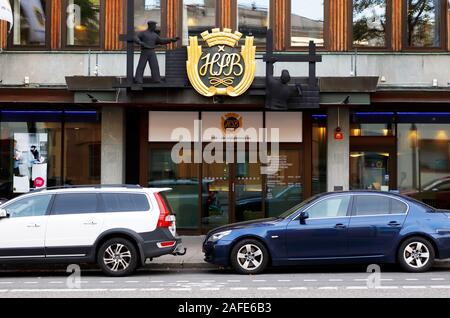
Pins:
<point x="348" y="227"/>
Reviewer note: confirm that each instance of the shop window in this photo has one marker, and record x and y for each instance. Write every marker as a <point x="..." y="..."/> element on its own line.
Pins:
<point x="378" y="130"/>
<point x="82" y="153"/>
<point x="307" y="22"/>
<point x="31" y="22"/>
<point x="182" y="179"/>
<point x="424" y="21"/>
<point x="45" y="148"/>
<point x="319" y="154"/>
<point x="424" y="162"/>
<point x="285" y="188"/>
<point x="370" y="24"/>
<point x="30" y="152"/>
<point x="198" y="16"/>
<point x="83" y="23"/>
<point x="253" y="18"/>
<point x="147" y="10"/>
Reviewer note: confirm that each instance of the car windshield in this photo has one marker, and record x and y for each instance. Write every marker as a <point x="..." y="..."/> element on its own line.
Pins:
<point x="297" y="207"/>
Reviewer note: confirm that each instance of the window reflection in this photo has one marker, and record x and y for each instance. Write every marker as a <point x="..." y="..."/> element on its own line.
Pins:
<point x="144" y="11"/>
<point x="83" y="23"/>
<point x="29" y="22"/>
<point x="423" y="23"/>
<point x="307" y="22"/>
<point x="424" y="162"/>
<point x="182" y="179"/>
<point x="369" y="23"/>
<point x="198" y="16"/>
<point x="253" y="18"/>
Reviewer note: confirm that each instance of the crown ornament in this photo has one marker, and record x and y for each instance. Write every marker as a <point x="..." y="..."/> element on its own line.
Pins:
<point x="218" y="37"/>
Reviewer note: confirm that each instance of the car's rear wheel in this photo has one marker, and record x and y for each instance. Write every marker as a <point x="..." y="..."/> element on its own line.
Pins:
<point x="249" y="257"/>
<point x="117" y="257"/>
<point x="416" y="255"/>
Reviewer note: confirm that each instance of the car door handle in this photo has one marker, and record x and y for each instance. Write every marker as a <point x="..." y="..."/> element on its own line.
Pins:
<point x="90" y="223"/>
<point x="394" y="224"/>
<point x="340" y="226"/>
<point x="33" y="225"/>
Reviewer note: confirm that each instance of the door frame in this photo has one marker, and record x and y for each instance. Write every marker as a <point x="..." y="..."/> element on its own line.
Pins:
<point x="378" y="144"/>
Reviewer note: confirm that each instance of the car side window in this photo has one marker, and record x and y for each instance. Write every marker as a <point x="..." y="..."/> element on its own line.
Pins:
<point x="29" y="206"/>
<point x="75" y="203"/>
<point x="124" y="202"/>
<point x="398" y="207"/>
<point x="330" y="208"/>
<point x="367" y="205"/>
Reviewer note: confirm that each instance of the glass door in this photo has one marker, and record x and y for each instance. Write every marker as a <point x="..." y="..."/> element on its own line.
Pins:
<point x="248" y="187"/>
<point x="372" y="170"/>
<point x="216" y="195"/>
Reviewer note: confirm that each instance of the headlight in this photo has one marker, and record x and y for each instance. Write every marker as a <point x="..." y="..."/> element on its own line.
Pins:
<point x="218" y="236"/>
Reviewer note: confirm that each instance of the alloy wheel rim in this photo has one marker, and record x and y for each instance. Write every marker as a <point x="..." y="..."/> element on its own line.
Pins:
<point x="250" y="257"/>
<point x="117" y="257"/>
<point x="416" y="255"/>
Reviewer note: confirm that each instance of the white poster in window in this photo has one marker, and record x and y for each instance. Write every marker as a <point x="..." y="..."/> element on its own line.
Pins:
<point x="6" y="12"/>
<point x="35" y="15"/>
<point x="30" y="161"/>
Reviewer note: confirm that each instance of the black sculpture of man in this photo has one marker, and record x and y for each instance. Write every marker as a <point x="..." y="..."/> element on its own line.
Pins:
<point x="149" y="40"/>
<point x="279" y="91"/>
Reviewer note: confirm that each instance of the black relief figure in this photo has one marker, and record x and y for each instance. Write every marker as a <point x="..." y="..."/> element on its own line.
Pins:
<point x="279" y="91"/>
<point x="149" y="40"/>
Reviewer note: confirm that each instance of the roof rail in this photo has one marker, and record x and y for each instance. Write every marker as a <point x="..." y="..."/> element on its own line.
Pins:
<point x="96" y="186"/>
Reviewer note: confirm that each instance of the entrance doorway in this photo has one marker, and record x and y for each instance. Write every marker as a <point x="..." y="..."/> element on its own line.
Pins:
<point x="205" y="196"/>
<point x="373" y="163"/>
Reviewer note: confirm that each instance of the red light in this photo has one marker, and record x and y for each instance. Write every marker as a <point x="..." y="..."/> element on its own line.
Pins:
<point x="166" y="244"/>
<point x="338" y="134"/>
<point x="164" y="213"/>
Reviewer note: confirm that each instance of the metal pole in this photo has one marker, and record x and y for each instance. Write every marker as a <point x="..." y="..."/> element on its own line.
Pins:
<point x="130" y="42"/>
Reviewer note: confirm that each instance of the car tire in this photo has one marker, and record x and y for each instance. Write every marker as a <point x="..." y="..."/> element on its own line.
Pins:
<point x="416" y="255"/>
<point x="249" y="257"/>
<point x="117" y="257"/>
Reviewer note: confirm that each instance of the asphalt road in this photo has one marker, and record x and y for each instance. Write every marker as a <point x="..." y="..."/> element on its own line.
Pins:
<point x="206" y="283"/>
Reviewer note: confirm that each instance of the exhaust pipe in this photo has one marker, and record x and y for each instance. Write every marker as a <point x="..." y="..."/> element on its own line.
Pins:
<point x="180" y="250"/>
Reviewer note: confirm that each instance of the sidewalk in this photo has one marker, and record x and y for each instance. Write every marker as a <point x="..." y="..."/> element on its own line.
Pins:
<point x="194" y="257"/>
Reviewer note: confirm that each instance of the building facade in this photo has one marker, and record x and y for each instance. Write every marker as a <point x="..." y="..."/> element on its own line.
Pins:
<point x="382" y="123"/>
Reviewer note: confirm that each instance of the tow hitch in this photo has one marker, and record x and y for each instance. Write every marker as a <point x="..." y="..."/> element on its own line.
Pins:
<point x="180" y="250"/>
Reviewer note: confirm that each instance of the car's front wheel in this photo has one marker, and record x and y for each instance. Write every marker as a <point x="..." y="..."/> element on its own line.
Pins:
<point x="117" y="257"/>
<point x="416" y="255"/>
<point x="249" y="257"/>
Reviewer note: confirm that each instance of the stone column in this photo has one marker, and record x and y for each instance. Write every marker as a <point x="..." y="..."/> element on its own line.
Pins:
<point x="113" y="145"/>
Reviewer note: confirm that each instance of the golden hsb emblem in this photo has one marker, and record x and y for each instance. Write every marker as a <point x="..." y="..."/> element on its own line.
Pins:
<point x="221" y="68"/>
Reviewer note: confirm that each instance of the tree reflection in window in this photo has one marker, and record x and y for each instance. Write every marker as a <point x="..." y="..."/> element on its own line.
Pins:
<point x="369" y="23"/>
<point x="423" y="23"/>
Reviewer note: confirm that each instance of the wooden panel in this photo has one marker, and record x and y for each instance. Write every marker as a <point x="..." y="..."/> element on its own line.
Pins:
<point x="448" y="28"/>
<point x="114" y="26"/>
<point x="3" y="34"/>
<point x="55" y="41"/>
<point x="279" y="25"/>
<point x="338" y="26"/>
<point x="173" y="20"/>
<point x="397" y="13"/>
<point x="226" y="8"/>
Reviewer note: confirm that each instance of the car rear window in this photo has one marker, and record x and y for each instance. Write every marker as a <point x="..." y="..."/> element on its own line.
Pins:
<point x="75" y="203"/>
<point x="124" y="202"/>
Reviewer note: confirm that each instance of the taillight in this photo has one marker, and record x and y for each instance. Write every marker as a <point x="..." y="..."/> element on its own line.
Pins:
<point x="165" y="219"/>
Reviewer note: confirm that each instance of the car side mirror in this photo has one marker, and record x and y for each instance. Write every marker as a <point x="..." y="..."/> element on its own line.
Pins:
<point x="3" y="214"/>
<point x="303" y="217"/>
